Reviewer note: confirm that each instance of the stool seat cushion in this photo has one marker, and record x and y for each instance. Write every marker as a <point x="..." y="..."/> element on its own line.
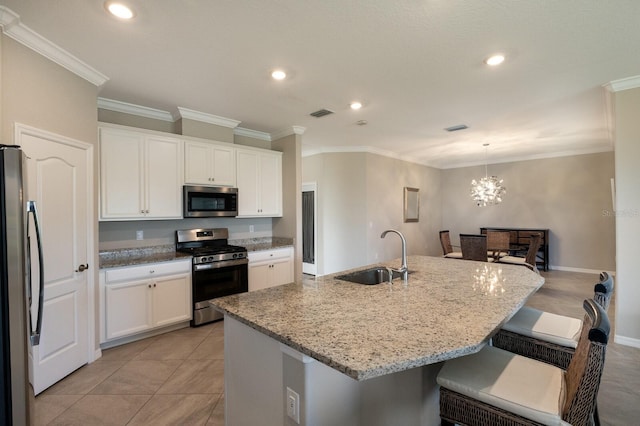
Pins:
<point x="558" y="329"/>
<point x="454" y="255"/>
<point x="521" y="385"/>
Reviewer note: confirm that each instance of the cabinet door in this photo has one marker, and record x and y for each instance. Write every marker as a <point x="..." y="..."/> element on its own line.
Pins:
<point x="197" y="163"/>
<point x="281" y="272"/>
<point x="172" y="299"/>
<point x="121" y="174"/>
<point x="270" y="185"/>
<point x="224" y="166"/>
<point x="259" y="276"/>
<point x="127" y="308"/>
<point x="247" y="170"/>
<point x="163" y="178"/>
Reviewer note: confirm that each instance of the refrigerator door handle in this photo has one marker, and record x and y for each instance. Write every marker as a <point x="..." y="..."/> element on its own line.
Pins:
<point x="35" y="335"/>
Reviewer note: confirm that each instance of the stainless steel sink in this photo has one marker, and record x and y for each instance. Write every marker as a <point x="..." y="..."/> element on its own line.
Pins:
<point x="370" y="276"/>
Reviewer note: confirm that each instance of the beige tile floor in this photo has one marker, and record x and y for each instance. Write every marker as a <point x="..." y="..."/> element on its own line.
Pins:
<point x="173" y="379"/>
<point x="177" y="378"/>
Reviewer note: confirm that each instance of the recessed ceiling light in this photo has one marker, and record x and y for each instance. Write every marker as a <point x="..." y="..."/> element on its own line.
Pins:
<point x="356" y="105"/>
<point x="119" y="10"/>
<point x="279" y="75"/>
<point x="494" y="60"/>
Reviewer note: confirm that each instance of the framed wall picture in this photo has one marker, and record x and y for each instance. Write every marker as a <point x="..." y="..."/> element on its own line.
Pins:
<point x="411" y="204"/>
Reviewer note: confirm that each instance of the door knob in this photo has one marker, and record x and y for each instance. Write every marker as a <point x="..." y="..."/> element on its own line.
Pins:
<point x="82" y="268"/>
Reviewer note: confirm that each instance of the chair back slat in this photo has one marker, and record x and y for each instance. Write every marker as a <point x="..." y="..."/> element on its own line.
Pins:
<point x="534" y="245"/>
<point x="445" y="242"/>
<point x="474" y="247"/>
<point x="498" y="240"/>
<point x="585" y="369"/>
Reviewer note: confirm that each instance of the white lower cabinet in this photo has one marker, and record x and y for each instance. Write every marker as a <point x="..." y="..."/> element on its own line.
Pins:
<point x="270" y="268"/>
<point x="135" y="299"/>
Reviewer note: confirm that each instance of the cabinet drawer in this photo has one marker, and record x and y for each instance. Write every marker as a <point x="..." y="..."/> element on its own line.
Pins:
<point x="147" y="271"/>
<point x="259" y="256"/>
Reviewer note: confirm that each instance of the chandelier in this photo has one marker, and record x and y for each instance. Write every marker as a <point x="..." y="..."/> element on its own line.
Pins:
<point x="488" y="190"/>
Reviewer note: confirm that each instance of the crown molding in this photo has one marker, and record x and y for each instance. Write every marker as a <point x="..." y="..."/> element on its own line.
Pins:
<point x="623" y="84"/>
<point x="293" y="130"/>
<point x="12" y="27"/>
<point x="207" y="118"/>
<point x="141" y="111"/>
<point x="255" y="134"/>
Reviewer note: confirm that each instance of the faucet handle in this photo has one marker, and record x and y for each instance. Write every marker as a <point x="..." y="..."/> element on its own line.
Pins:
<point x="390" y="273"/>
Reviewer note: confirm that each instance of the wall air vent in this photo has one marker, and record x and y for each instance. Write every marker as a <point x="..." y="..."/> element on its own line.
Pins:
<point x="321" y="113"/>
<point x="456" y="128"/>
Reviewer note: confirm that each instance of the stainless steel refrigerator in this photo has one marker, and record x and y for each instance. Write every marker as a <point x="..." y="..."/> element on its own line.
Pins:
<point x="17" y="329"/>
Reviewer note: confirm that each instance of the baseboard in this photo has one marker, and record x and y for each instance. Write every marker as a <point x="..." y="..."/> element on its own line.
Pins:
<point x="582" y="270"/>
<point x="626" y="341"/>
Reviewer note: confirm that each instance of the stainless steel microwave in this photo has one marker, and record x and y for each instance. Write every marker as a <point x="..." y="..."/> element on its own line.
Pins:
<point x="209" y="201"/>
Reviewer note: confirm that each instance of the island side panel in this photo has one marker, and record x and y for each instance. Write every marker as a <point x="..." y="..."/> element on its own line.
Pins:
<point x="258" y="370"/>
<point x="252" y="377"/>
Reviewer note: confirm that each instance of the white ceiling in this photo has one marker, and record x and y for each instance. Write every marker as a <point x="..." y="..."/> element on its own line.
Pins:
<point x="416" y="65"/>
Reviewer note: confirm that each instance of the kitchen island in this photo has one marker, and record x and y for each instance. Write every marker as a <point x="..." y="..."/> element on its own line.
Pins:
<point x="362" y="354"/>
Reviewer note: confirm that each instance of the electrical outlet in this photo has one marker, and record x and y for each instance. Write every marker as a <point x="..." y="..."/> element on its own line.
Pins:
<point x="251" y="229"/>
<point x="139" y="235"/>
<point x="293" y="405"/>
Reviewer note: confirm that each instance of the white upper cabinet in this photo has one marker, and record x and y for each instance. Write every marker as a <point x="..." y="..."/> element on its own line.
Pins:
<point x="140" y="175"/>
<point x="209" y="164"/>
<point x="259" y="175"/>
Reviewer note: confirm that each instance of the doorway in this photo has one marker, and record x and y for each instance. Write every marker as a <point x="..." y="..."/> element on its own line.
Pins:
<point x="309" y="228"/>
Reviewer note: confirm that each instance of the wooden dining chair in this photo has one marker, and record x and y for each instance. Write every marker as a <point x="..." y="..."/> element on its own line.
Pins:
<point x="498" y="243"/>
<point x="474" y="247"/>
<point x="494" y="386"/>
<point x="447" y="248"/>
<point x="529" y="260"/>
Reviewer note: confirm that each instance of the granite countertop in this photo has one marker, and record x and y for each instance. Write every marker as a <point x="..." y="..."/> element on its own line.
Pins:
<point x="449" y="308"/>
<point x="167" y="252"/>
<point x="139" y="256"/>
<point x="260" y="244"/>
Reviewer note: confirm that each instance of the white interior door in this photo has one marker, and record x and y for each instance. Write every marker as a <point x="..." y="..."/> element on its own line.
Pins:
<point x="59" y="179"/>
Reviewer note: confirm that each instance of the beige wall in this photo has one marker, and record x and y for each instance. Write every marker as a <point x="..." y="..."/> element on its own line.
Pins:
<point x="627" y="118"/>
<point x="39" y="93"/>
<point x="568" y="195"/>
<point x="199" y="129"/>
<point x="115" y="117"/>
<point x="385" y="180"/>
<point x="290" y="224"/>
<point x="359" y="196"/>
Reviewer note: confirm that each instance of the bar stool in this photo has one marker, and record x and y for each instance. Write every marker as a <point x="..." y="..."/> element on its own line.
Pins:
<point x="494" y="386"/>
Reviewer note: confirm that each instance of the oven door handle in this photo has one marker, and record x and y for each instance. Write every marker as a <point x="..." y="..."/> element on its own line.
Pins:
<point x="221" y="264"/>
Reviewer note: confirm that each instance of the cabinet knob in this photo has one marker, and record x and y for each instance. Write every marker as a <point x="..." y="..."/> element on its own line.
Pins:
<point x="152" y="271"/>
<point x="154" y="285"/>
<point x="149" y="285"/>
<point x="142" y="211"/>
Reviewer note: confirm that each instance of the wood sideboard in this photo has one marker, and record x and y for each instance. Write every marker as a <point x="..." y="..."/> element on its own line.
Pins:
<point x="519" y="243"/>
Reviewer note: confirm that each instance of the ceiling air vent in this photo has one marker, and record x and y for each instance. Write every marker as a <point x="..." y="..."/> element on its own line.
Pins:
<point x="456" y="128"/>
<point x="321" y="113"/>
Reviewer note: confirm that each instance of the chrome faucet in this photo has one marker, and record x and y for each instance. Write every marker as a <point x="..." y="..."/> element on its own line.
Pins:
<point x="403" y="268"/>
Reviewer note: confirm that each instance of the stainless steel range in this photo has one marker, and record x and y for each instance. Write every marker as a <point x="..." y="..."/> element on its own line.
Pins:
<point x="219" y="269"/>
